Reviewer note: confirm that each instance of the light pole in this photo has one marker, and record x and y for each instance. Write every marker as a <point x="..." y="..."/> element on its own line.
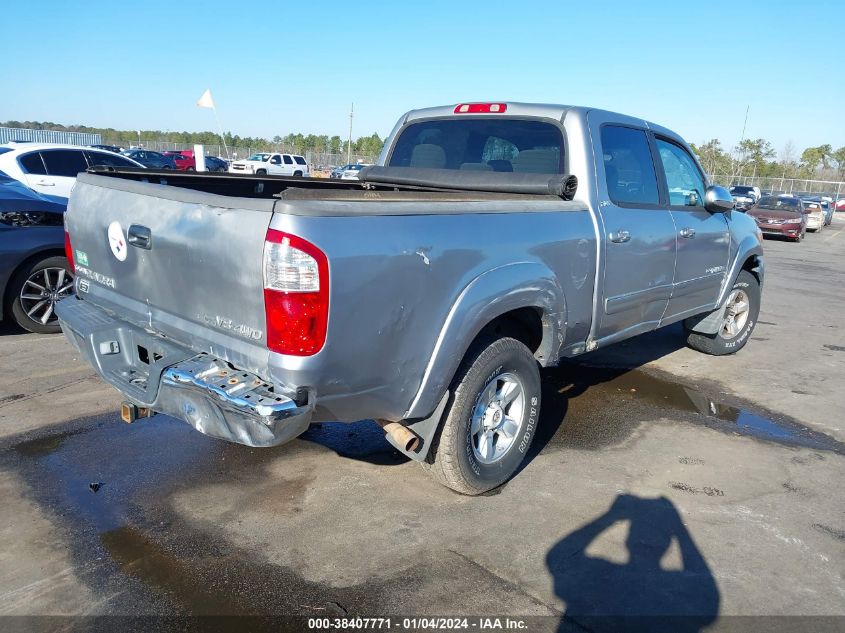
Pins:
<point x="349" y="144"/>
<point x="139" y="138"/>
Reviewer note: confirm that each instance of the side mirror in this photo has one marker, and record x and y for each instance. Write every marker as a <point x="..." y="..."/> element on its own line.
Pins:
<point x="718" y="199"/>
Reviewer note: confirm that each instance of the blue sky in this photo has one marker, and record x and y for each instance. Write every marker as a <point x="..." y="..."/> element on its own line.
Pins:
<point x="279" y="67"/>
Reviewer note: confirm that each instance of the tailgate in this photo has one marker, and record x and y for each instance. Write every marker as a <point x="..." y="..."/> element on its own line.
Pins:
<point x="194" y="270"/>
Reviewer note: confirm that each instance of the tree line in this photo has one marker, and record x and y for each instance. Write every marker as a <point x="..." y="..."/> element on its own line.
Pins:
<point x="299" y="143"/>
<point x="757" y="157"/>
<point x="751" y="157"/>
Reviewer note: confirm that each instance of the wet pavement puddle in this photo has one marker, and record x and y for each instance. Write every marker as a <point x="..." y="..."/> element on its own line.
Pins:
<point x="127" y="528"/>
<point x="612" y="389"/>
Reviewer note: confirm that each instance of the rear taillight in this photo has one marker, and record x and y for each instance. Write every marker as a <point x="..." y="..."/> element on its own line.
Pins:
<point x="480" y="108"/>
<point x="69" y="250"/>
<point x="296" y="294"/>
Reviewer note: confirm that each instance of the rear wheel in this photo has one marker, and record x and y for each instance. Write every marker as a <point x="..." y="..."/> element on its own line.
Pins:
<point x="739" y="316"/>
<point x="34" y="291"/>
<point x="490" y="420"/>
<point x="297" y="173"/>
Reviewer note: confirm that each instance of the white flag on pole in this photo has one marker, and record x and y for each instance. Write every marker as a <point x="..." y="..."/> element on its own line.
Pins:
<point x="205" y="100"/>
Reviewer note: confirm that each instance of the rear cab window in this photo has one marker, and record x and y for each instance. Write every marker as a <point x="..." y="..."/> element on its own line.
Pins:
<point x="485" y="144"/>
<point x="628" y="166"/>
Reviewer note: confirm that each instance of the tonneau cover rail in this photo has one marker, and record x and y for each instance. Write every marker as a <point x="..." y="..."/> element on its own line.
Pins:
<point x="564" y="185"/>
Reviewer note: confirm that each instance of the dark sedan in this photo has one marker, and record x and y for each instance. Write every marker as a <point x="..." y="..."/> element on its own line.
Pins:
<point x="780" y="215"/>
<point x="212" y="163"/>
<point x="152" y="160"/>
<point x="34" y="269"/>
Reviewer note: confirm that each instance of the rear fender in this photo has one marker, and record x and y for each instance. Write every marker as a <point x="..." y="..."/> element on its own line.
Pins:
<point x="488" y="296"/>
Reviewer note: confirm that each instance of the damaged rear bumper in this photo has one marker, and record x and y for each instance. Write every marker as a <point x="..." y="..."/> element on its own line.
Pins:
<point x="210" y="394"/>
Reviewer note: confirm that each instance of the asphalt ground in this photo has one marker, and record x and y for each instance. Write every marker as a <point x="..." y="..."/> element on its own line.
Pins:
<point x="661" y="482"/>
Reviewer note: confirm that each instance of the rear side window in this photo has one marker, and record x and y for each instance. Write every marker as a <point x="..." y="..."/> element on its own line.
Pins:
<point x="486" y="144"/>
<point x="628" y="166"/>
<point x="299" y="160"/>
<point x="288" y="160"/>
<point x="64" y="162"/>
<point x="32" y="163"/>
<point x="109" y="160"/>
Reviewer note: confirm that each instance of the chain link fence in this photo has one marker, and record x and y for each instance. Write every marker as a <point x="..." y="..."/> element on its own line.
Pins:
<point x="833" y="188"/>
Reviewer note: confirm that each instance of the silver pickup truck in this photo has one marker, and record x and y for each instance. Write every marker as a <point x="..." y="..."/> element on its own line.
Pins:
<point x="492" y="239"/>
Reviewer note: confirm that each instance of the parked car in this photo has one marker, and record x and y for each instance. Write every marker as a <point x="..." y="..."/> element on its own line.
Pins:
<point x="780" y="215"/>
<point x="839" y="205"/>
<point x="352" y="172"/>
<point x="426" y="297"/>
<point x="815" y="214"/>
<point x="745" y="196"/>
<point x="51" y="169"/>
<point x="827" y="208"/>
<point x="150" y="159"/>
<point x="337" y="172"/>
<point x="268" y="163"/>
<point x="34" y="270"/>
<point x="108" y="148"/>
<point x="184" y="160"/>
<point x="213" y="163"/>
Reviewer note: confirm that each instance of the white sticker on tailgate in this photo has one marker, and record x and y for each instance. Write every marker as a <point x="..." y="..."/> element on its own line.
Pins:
<point x="117" y="241"/>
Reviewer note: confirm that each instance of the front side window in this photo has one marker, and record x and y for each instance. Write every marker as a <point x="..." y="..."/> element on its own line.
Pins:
<point x="32" y="164"/>
<point x="276" y="160"/>
<point x="628" y="166"/>
<point x="486" y="144"/>
<point x="288" y="160"/>
<point x="64" y="162"/>
<point x="108" y="160"/>
<point x="683" y="179"/>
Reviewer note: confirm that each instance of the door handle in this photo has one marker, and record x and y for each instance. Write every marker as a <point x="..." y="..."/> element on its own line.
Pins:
<point x="687" y="232"/>
<point x="620" y="236"/>
<point x="139" y="236"/>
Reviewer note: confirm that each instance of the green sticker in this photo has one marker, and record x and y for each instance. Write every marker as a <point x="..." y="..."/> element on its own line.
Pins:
<point x="82" y="258"/>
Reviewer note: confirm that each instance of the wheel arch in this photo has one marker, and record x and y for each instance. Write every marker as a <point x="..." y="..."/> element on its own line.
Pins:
<point x="748" y="259"/>
<point x="522" y="300"/>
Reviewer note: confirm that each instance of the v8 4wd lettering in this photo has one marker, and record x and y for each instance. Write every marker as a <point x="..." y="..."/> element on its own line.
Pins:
<point x="491" y="240"/>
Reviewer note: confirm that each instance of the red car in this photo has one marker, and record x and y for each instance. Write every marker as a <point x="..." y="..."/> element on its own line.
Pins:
<point x="780" y="216"/>
<point x="184" y="160"/>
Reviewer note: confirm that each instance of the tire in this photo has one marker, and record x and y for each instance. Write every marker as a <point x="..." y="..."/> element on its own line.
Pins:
<point x="190" y="169"/>
<point x="297" y="174"/>
<point x="261" y="172"/>
<point x="19" y="305"/>
<point x="726" y="340"/>
<point x="490" y="368"/>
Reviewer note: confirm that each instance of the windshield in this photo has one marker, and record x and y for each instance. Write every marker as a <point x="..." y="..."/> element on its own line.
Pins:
<point x="778" y="204"/>
<point x="742" y="190"/>
<point x="486" y="144"/>
<point x="261" y="158"/>
<point x="353" y="167"/>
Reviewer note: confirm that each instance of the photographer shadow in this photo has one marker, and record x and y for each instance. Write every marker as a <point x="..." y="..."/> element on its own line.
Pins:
<point x="640" y="594"/>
